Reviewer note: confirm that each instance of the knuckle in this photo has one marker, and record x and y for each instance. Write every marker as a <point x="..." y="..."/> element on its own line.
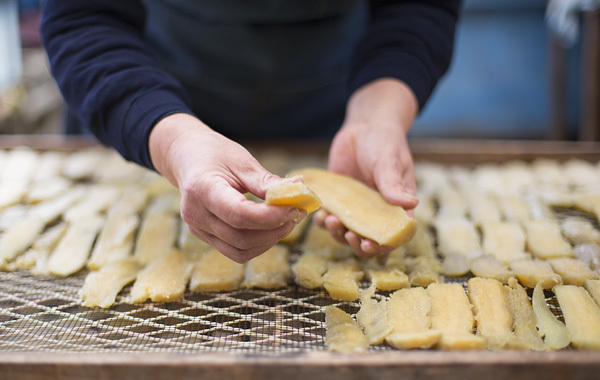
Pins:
<point x="228" y="251"/>
<point x="230" y="236"/>
<point x="190" y="190"/>
<point x="240" y="258"/>
<point x="186" y="216"/>
<point x="242" y="244"/>
<point x="268" y="177"/>
<point x="235" y="219"/>
<point x="237" y="255"/>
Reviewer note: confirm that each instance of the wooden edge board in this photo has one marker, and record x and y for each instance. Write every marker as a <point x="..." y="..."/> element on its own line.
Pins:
<point x="388" y="365"/>
<point x="449" y="150"/>
<point x="474" y="151"/>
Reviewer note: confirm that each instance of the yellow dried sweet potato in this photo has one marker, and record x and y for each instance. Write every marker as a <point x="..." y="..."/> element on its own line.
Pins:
<point x="360" y="208"/>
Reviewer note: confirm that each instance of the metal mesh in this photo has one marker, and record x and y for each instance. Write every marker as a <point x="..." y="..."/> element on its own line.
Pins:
<point x="43" y="313"/>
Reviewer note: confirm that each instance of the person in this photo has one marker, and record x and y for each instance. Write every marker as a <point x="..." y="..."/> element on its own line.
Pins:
<point x="172" y="84"/>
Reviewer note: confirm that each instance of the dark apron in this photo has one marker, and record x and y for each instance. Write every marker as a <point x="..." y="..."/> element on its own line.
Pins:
<point x="260" y="68"/>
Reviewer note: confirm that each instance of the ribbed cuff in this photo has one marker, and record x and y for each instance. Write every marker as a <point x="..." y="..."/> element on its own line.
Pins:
<point x="145" y="112"/>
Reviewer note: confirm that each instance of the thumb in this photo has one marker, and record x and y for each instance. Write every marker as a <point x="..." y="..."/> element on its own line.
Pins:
<point x="258" y="180"/>
<point x="396" y="187"/>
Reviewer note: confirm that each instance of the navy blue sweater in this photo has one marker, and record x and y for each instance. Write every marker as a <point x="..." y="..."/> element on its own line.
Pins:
<point x="112" y="81"/>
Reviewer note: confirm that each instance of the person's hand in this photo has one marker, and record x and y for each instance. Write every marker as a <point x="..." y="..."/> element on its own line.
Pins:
<point x="212" y="174"/>
<point x="371" y="146"/>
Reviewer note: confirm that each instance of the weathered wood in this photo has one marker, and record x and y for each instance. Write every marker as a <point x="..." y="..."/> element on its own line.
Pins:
<point x="472" y="152"/>
<point x="48" y="142"/>
<point x="450" y="151"/>
<point x="406" y="365"/>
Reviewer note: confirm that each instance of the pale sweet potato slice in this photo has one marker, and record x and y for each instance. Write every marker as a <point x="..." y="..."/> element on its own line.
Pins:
<point x="271" y="270"/>
<point x="409" y="313"/>
<point x="582" y="316"/>
<point x="318" y="238"/>
<point x="504" y="240"/>
<point x="573" y="271"/>
<point x="545" y="241"/>
<point x="492" y="311"/>
<point x="72" y="252"/>
<point x="214" y="272"/>
<point x="310" y="268"/>
<point x="343" y="333"/>
<point x="102" y="287"/>
<point x="372" y="317"/>
<point x="457" y="235"/>
<point x="115" y="241"/>
<point x="388" y="279"/>
<point x="524" y="319"/>
<point x="593" y="288"/>
<point x="157" y="235"/>
<point x="490" y="267"/>
<point x="164" y="279"/>
<point x="452" y="315"/>
<point x="553" y="331"/>
<point x="341" y="279"/>
<point x="531" y="272"/>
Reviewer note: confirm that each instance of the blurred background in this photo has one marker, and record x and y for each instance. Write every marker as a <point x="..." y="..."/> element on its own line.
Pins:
<point x="522" y="69"/>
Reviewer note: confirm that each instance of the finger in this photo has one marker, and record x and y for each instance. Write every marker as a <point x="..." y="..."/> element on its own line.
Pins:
<point x="410" y="185"/>
<point x="319" y="217"/>
<point x="370" y="247"/>
<point x="233" y="208"/>
<point x="410" y="180"/>
<point x="244" y="239"/>
<point x="335" y="227"/>
<point x="238" y="255"/>
<point x="257" y="180"/>
<point x="354" y="241"/>
<point x="390" y="180"/>
<point x="365" y="248"/>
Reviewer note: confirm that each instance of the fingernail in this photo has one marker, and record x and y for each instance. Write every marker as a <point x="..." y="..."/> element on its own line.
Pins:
<point x="368" y="247"/>
<point x="297" y="178"/>
<point x="294" y="215"/>
<point x="319" y="216"/>
<point x="300" y="216"/>
<point x="410" y="198"/>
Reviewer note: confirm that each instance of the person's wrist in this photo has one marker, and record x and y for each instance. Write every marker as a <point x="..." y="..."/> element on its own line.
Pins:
<point x="385" y="102"/>
<point x="165" y="138"/>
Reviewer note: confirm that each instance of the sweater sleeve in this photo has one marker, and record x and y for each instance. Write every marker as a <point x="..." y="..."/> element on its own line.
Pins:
<point x="107" y="76"/>
<point x="408" y="40"/>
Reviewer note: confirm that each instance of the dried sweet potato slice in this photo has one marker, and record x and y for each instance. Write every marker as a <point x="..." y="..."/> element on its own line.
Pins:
<point x="294" y="194"/>
<point x="360" y="208"/>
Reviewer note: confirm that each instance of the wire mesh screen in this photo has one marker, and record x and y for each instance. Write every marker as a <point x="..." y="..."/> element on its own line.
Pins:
<point x="44" y="313"/>
<point x="40" y="313"/>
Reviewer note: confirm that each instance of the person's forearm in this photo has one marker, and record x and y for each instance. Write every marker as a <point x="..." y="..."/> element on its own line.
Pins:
<point x="99" y="59"/>
<point x="386" y="102"/>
